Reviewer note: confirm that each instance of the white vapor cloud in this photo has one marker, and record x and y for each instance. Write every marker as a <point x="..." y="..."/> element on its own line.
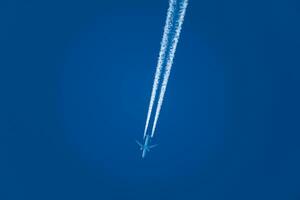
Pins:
<point x="169" y="64"/>
<point x="162" y="54"/>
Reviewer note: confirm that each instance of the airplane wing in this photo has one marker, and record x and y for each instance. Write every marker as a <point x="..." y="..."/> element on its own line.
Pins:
<point x="152" y="146"/>
<point x="139" y="143"/>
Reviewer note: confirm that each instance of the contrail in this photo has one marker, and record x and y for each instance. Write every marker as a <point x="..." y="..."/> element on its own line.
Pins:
<point x="171" y="55"/>
<point x="162" y="55"/>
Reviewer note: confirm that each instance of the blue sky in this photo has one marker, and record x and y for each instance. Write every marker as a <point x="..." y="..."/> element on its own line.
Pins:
<point x="76" y="78"/>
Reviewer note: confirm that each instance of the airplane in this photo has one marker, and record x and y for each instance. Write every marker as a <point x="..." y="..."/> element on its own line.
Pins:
<point x="146" y="148"/>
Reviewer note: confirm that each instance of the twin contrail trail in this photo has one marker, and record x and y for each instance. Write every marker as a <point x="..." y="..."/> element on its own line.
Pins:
<point x="162" y="54"/>
<point x="169" y="43"/>
<point x="171" y="56"/>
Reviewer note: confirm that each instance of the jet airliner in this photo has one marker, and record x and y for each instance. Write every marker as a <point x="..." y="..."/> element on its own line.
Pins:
<point x="146" y="146"/>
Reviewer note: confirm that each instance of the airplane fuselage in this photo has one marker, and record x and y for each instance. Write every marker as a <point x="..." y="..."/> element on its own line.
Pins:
<point x="145" y="147"/>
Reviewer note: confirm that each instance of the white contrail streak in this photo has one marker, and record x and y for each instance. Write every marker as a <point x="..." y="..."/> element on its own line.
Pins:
<point x="169" y="64"/>
<point x="162" y="53"/>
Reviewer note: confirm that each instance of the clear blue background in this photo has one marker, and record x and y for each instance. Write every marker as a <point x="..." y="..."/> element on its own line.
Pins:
<point x="75" y="83"/>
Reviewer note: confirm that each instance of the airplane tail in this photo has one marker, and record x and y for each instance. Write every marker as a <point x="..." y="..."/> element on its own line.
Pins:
<point x="139" y="144"/>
